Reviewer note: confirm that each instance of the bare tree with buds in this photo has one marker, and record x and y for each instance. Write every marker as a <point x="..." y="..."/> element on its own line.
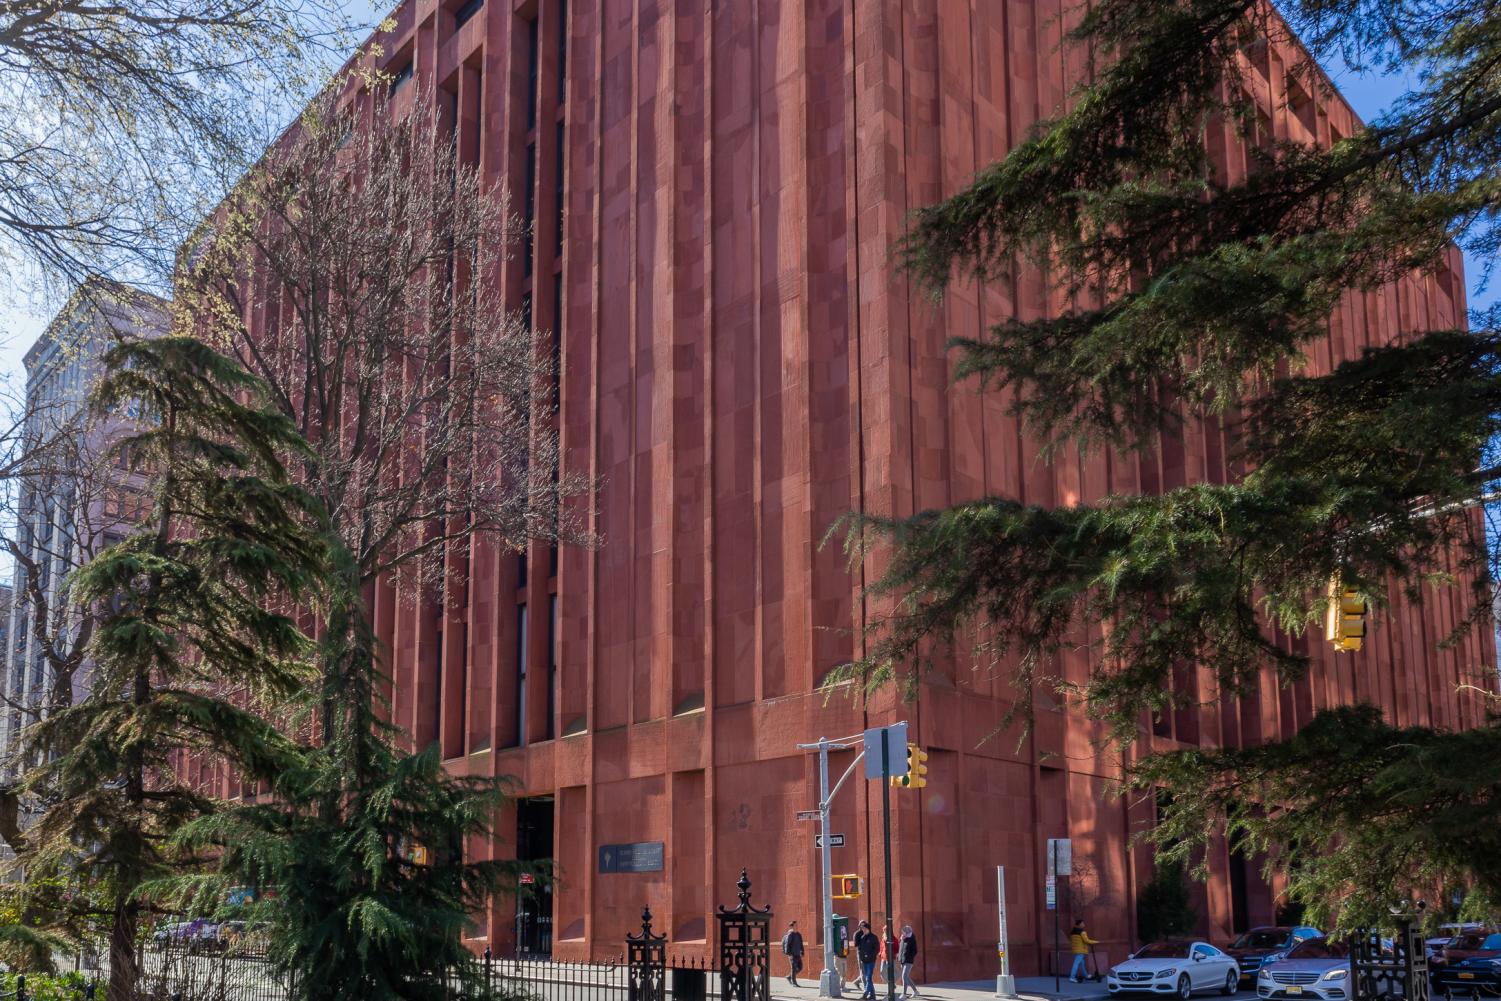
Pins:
<point x="357" y="271"/>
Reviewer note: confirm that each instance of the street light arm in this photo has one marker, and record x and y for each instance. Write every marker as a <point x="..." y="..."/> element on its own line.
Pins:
<point x="835" y="791"/>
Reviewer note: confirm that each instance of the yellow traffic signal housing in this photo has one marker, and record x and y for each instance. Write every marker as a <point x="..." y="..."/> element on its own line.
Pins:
<point x="917" y="769"/>
<point x="846" y="887"/>
<point x="1344" y="621"/>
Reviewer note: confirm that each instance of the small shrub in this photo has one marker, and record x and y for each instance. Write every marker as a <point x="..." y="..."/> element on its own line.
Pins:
<point x="47" y="987"/>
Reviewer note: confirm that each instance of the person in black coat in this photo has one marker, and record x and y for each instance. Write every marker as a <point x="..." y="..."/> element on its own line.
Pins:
<point x="792" y="948"/>
<point x="906" y="955"/>
<point x="867" y="951"/>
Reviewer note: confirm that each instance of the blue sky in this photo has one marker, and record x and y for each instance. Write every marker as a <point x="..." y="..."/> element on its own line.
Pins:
<point x="23" y="318"/>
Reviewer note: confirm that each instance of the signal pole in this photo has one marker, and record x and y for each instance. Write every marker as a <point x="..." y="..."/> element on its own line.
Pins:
<point x="830" y="980"/>
<point x="889" y="932"/>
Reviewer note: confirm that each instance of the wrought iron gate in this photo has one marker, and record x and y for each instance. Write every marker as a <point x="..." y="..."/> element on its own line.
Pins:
<point x="646" y="955"/>
<point x="1383" y="970"/>
<point x="744" y="949"/>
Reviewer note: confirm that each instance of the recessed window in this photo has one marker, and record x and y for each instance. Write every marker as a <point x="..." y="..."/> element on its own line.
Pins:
<point x="521" y="630"/>
<point x="529" y="209"/>
<point x="557" y="195"/>
<point x="467" y="11"/>
<point x="401" y="78"/>
<point x="533" y="57"/>
<point x="562" y="51"/>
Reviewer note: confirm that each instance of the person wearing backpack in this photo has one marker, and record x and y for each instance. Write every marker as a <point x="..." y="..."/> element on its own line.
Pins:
<point x="906" y="954"/>
<point x="792" y="948"/>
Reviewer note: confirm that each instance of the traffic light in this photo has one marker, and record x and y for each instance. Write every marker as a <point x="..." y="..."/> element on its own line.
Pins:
<point x="1344" y="622"/>
<point x="917" y="769"/>
<point x="846" y="887"/>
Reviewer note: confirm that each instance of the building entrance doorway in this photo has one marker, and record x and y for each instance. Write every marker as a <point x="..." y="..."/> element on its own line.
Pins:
<point x="534" y="830"/>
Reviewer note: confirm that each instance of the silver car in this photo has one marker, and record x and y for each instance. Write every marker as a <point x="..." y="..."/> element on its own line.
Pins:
<point x="1316" y="968"/>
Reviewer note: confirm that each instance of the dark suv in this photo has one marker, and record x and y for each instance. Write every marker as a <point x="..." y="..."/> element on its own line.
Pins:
<point x="1260" y="946"/>
<point x="1470" y="963"/>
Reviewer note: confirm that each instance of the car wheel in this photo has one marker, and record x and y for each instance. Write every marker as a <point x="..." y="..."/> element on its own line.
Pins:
<point x="1185" y="989"/>
<point x="1231" y="983"/>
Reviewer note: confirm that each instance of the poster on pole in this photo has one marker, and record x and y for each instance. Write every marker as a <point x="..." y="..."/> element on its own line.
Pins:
<point x="1052" y="892"/>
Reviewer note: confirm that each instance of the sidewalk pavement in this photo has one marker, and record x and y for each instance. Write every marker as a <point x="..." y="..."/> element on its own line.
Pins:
<point x="1028" y="988"/>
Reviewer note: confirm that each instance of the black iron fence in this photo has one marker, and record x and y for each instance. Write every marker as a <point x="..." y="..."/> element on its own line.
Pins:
<point x="646" y="971"/>
<point x="558" y="980"/>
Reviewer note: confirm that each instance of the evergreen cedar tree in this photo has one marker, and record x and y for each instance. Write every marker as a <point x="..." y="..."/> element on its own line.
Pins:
<point x="1190" y="295"/>
<point x="188" y="616"/>
<point x="374" y="276"/>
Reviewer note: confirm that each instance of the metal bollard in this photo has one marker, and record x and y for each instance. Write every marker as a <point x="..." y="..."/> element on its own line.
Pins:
<point x="21" y="987"/>
<point x="88" y="992"/>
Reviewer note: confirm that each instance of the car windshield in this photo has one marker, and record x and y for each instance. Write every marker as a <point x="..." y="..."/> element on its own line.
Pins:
<point x="1261" y="938"/>
<point x="1491" y="942"/>
<point x="1164" y="950"/>
<point x="1319" y="948"/>
<point x="1470" y="940"/>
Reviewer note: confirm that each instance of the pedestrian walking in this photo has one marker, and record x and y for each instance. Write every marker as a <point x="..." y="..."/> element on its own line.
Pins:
<point x="906" y="955"/>
<point x="792" y="948"/>
<point x="1079" y="942"/>
<point x="867" y="951"/>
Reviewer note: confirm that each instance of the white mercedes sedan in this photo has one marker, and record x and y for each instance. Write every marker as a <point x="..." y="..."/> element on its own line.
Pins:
<point x="1179" y="968"/>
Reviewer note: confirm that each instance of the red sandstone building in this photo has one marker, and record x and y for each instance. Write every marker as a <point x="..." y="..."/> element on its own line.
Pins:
<point x="715" y="189"/>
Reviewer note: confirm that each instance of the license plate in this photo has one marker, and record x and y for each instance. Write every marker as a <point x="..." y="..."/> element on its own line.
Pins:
<point x="1295" y="989"/>
<point x="1467" y="976"/>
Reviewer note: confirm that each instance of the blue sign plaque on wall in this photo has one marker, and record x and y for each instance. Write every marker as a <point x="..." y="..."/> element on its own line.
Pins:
<point x="639" y="856"/>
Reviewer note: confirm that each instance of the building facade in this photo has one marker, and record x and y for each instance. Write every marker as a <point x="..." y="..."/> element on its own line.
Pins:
<point x="72" y="498"/>
<point x="714" y="192"/>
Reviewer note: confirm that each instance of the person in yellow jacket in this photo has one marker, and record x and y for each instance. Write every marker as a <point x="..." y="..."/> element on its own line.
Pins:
<point x="1079" y="943"/>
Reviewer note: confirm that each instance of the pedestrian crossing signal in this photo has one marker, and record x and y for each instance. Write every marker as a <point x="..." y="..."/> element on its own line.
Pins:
<point x="846" y="887"/>
<point x="917" y="769"/>
<point x="1344" y="621"/>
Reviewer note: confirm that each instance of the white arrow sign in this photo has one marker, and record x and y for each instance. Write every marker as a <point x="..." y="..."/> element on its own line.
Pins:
<point x="835" y="841"/>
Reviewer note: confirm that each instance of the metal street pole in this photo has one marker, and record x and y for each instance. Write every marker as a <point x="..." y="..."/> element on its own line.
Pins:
<point x="830" y="980"/>
<point x="1057" y="958"/>
<point x="1005" y="985"/>
<point x="886" y="837"/>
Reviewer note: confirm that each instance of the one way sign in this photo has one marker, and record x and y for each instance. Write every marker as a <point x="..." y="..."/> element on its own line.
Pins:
<point x="835" y="841"/>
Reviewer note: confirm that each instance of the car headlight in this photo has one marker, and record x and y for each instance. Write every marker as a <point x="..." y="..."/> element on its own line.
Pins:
<point x="1496" y="963"/>
<point x="1336" y="974"/>
<point x="1275" y="957"/>
<point x="1167" y="972"/>
<point x="1264" y="975"/>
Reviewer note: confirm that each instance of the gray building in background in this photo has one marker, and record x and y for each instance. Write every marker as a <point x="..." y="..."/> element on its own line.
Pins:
<point x="73" y="498"/>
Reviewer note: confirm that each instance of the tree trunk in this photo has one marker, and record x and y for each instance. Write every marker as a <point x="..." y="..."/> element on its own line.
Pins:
<point x="123" y="969"/>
